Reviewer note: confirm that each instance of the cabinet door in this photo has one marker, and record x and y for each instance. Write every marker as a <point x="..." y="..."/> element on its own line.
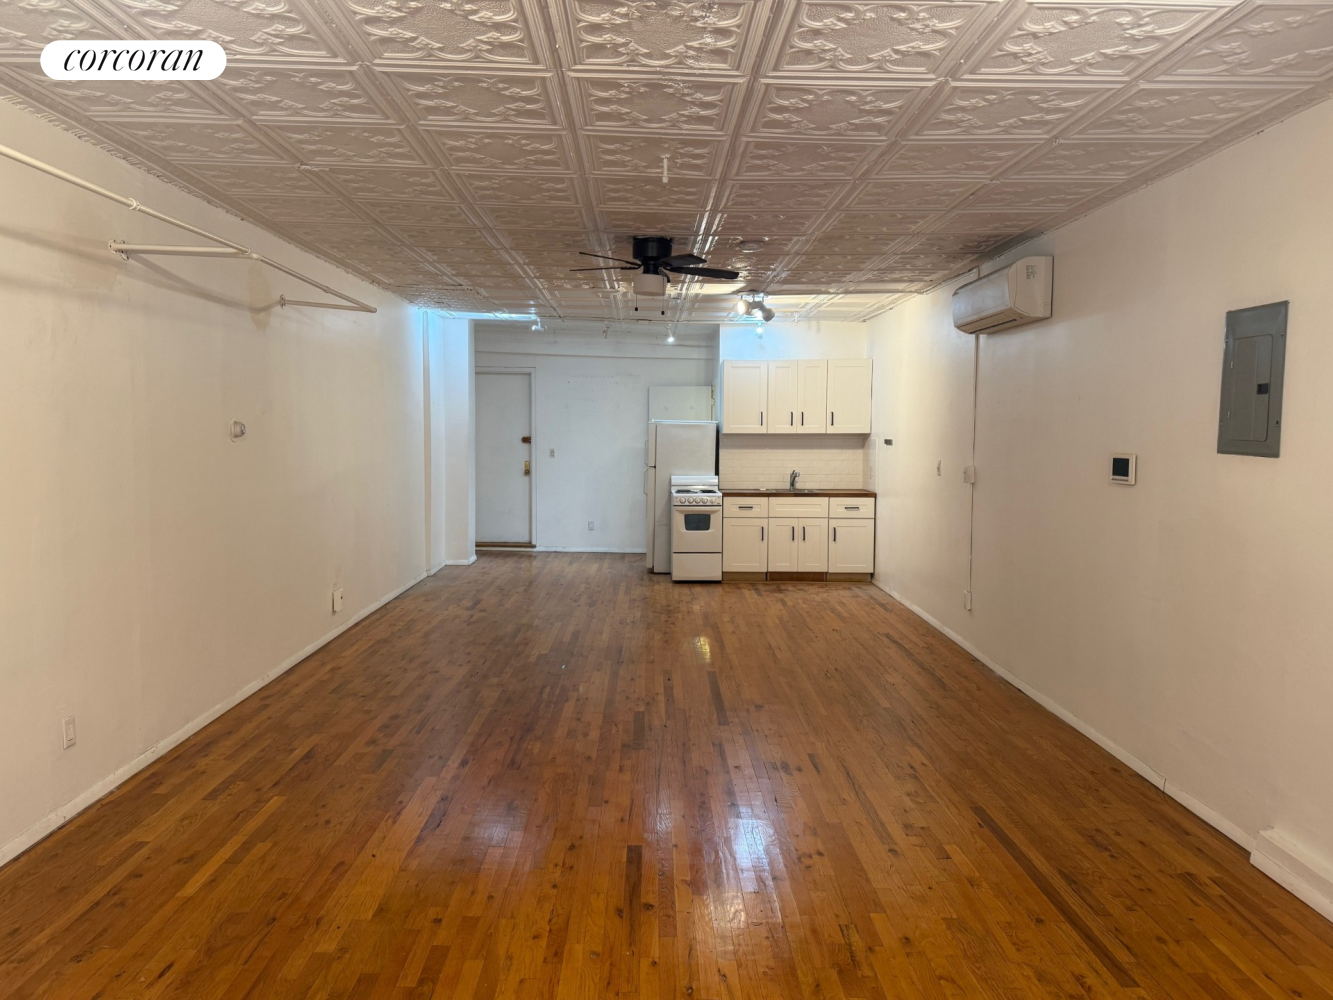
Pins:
<point x="783" y="542"/>
<point x="812" y="537"/>
<point x="849" y="396"/>
<point x="851" y="545"/>
<point x="812" y="397"/>
<point x="744" y="545"/>
<point x="745" y="388"/>
<point x="783" y="395"/>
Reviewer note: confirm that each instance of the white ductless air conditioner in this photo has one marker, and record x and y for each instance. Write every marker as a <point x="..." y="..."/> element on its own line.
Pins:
<point x="1009" y="297"/>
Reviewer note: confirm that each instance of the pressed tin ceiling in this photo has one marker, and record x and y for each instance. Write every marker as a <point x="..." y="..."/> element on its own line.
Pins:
<point x="460" y="152"/>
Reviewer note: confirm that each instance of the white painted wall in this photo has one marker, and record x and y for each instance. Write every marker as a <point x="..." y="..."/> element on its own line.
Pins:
<point x="590" y="403"/>
<point x="1180" y="619"/>
<point x="833" y="461"/>
<point x="151" y="570"/>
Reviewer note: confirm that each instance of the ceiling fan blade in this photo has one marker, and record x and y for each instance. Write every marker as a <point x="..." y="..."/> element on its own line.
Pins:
<point x="603" y="256"/>
<point x="607" y="268"/>
<point x="679" y="260"/>
<point x="709" y="272"/>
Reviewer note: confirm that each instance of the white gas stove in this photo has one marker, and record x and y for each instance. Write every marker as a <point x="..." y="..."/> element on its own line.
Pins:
<point x="696" y="528"/>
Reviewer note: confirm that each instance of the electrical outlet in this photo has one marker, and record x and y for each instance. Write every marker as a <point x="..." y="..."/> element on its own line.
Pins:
<point x="553" y="453"/>
<point x="939" y="467"/>
<point x="970" y="474"/>
<point x="68" y="732"/>
<point x="590" y="526"/>
<point x="337" y="600"/>
<point x="967" y="600"/>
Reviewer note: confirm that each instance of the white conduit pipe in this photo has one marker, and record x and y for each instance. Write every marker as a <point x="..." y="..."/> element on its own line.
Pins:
<point x="226" y="249"/>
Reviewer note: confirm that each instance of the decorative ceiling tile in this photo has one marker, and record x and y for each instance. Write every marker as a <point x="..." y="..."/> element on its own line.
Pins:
<point x="179" y="140"/>
<point x="798" y="196"/>
<point x="433" y="236"/>
<point x="265" y="92"/>
<point x="284" y="208"/>
<point x="267" y="28"/>
<point x="1187" y="111"/>
<point x="471" y="99"/>
<point x="801" y="109"/>
<point x="427" y="213"/>
<point x="1277" y="41"/>
<point x="959" y="159"/>
<point x="899" y="223"/>
<point x="27" y="26"/>
<point x="242" y="180"/>
<point x="993" y="222"/>
<point x="873" y="145"/>
<point x="510" y="189"/>
<point x="687" y="35"/>
<point x="874" y="37"/>
<point x="634" y="154"/>
<point x="802" y="158"/>
<point x="349" y="144"/>
<point x="652" y="222"/>
<point x="677" y="105"/>
<point x="633" y="192"/>
<point x="1052" y="196"/>
<point x="518" y="151"/>
<point x="1099" y="158"/>
<point x="909" y="195"/>
<point x="112" y="98"/>
<point x="1013" y="111"/>
<point x="467" y="32"/>
<point x="729" y="223"/>
<point x="1108" y="41"/>
<point x="389" y="182"/>
<point x="534" y="217"/>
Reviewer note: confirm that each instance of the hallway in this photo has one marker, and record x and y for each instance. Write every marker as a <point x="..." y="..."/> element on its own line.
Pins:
<point x="557" y="776"/>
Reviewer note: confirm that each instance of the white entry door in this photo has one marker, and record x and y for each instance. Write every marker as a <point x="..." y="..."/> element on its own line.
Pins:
<point x="504" y="458"/>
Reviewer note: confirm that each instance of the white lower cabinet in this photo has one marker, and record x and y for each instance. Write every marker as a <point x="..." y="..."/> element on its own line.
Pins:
<point x="812" y="551"/>
<point x="851" y="545"/>
<point x="744" y="545"/>
<point x="782" y="544"/>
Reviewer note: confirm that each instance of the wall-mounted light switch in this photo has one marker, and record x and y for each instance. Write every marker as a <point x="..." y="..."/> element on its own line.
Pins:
<point x="337" y="600"/>
<point x="68" y="732"/>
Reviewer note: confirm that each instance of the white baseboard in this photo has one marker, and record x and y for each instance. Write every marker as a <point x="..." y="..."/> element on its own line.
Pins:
<point x="582" y="548"/>
<point x="59" y="817"/>
<point x="1294" y="868"/>
<point x="460" y="562"/>
<point x="1286" y="863"/>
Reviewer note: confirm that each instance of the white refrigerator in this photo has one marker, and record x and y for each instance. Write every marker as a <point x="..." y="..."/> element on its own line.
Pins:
<point x="674" y="448"/>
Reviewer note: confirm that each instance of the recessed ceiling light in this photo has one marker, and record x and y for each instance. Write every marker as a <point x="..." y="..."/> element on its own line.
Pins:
<point x="750" y="246"/>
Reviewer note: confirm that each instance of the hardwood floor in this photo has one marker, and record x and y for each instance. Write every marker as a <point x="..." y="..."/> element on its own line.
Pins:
<point x="554" y="776"/>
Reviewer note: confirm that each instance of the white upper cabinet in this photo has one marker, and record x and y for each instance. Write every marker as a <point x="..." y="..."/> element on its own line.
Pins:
<point x="784" y="401"/>
<point x="794" y="396"/>
<point x="812" y="397"/>
<point x="849" y="396"/>
<point x="744" y="397"/>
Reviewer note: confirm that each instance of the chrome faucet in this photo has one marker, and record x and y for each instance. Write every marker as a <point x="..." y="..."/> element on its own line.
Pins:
<point x="791" y="483"/>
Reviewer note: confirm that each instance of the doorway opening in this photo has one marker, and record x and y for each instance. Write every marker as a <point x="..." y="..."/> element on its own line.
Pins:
<point x="504" y="459"/>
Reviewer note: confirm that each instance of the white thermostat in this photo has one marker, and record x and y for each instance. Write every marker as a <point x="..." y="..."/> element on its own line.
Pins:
<point x="1123" y="468"/>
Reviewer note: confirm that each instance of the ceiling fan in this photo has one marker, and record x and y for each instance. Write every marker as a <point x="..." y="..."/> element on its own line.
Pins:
<point x="655" y="263"/>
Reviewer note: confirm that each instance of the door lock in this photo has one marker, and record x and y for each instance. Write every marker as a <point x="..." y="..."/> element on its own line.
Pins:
<point x="527" y="468"/>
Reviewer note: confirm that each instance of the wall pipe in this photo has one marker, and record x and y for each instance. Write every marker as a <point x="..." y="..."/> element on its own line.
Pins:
<point x="226" y="247"/>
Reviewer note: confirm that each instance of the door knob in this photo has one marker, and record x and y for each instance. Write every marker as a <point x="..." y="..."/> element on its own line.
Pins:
<point x="527" y="468"/>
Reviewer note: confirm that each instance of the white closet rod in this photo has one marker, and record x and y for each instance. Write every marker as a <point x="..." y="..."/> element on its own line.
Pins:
<point x="226" y="248"/>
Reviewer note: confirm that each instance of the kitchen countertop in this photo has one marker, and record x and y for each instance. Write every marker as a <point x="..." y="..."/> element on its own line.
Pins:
<point x="799" y="493"/>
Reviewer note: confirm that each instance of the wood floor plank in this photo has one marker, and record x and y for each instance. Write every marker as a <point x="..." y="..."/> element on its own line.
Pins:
<point x="556" y="776"/>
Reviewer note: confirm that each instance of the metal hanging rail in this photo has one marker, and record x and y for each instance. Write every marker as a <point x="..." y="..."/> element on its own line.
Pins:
<point x="225" y="248"/>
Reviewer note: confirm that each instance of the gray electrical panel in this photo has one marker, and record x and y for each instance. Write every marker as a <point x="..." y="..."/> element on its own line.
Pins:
<point x="1251" y="413"/>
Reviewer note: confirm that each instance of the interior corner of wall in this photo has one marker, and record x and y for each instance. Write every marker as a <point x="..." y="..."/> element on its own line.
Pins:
<point x="1296" y="869"/>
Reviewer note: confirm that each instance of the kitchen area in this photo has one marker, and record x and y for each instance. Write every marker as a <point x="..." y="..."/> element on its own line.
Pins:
<point x="780" y="488"/>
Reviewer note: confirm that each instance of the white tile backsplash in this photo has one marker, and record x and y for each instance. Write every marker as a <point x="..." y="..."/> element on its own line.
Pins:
<point x="825" y="462"/>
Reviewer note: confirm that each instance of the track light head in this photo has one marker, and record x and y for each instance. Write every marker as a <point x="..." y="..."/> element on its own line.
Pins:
<point x="767" y="313"/>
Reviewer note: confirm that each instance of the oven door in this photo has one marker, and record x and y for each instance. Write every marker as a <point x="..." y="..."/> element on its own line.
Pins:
<point x="696" y="529"/>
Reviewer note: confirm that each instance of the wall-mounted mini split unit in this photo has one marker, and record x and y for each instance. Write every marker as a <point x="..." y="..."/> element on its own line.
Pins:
<point x="1009" y="297"/>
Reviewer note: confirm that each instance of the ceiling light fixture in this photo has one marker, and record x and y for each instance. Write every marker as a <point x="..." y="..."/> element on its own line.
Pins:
<point x="753" y="304"/>
<point x="750" y="246"/>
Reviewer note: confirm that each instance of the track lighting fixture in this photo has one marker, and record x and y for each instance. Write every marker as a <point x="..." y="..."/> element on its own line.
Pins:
<point x="753" y="304"/>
